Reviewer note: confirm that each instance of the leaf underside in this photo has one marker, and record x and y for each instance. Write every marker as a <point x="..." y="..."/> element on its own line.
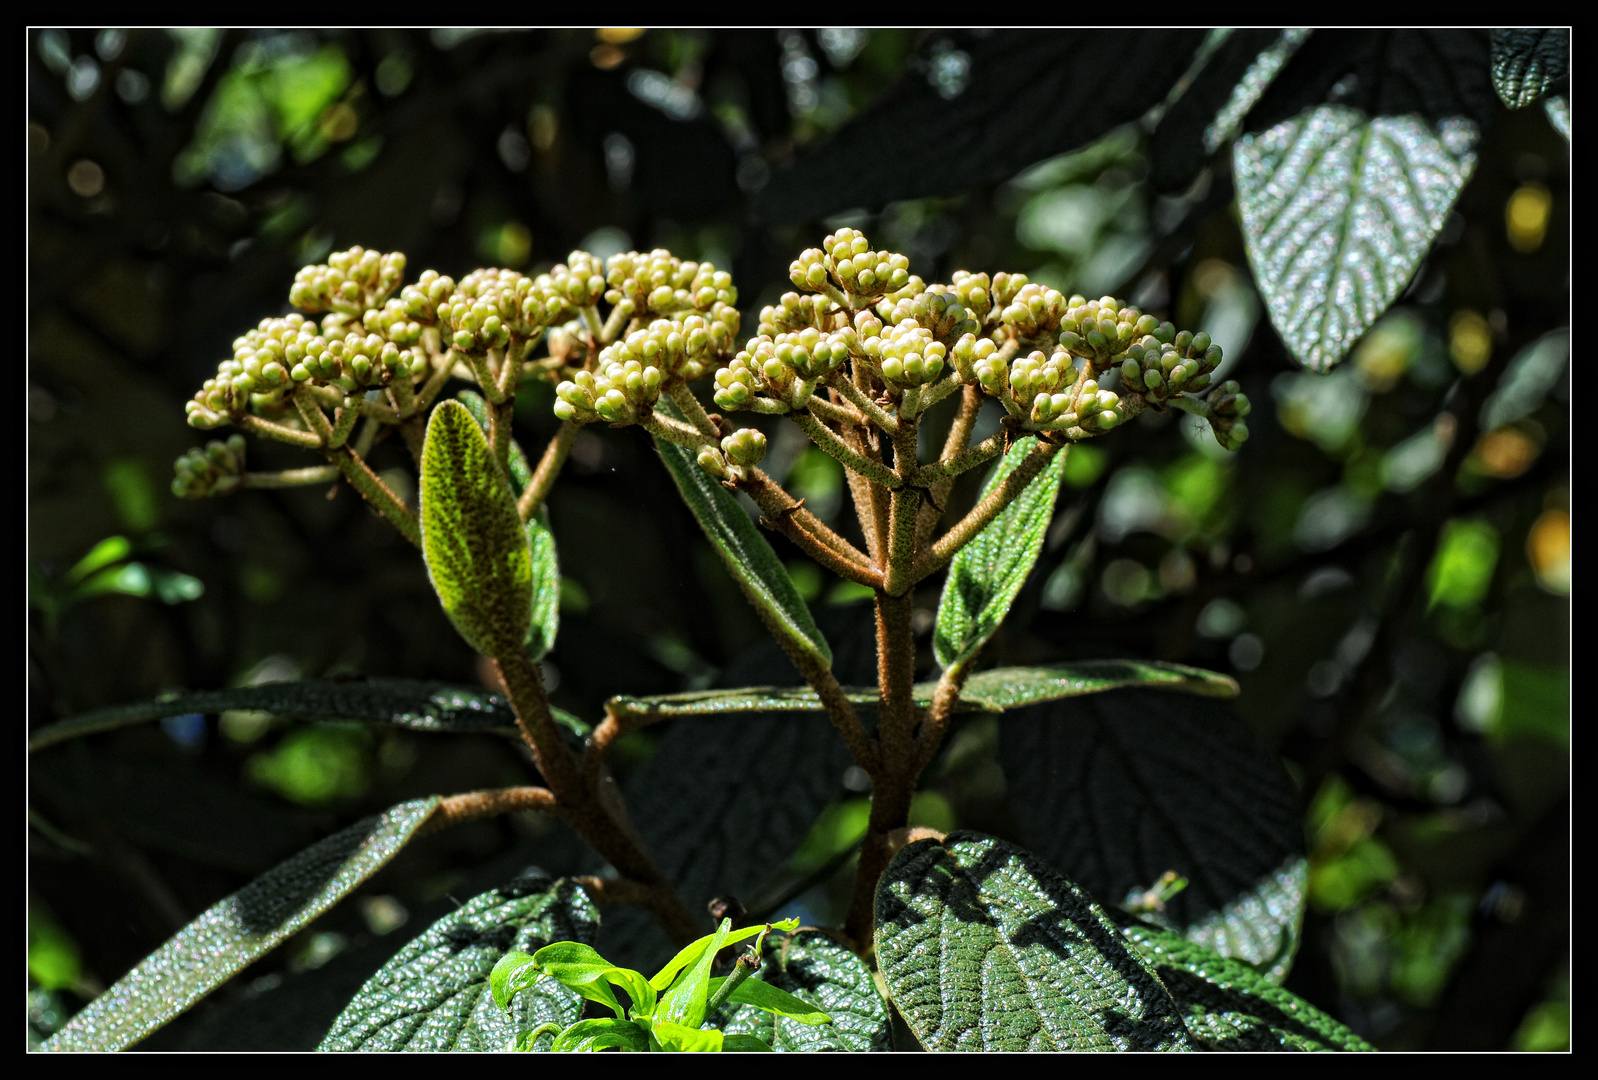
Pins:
<point x="1122" y="787"/>
<point x="433" y="994"/>
<point x="229" y="936"/>
<point x="985" y="575"/>
<point x="816" y="969"/>
<point x="746" y="554"/>
<point x="985" y="947"/>
<point x="1338" y="210"/>
<point x="1228" y="1005"/>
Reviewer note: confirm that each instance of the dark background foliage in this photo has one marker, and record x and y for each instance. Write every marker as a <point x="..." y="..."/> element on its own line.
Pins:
<point x="177" y="181"/>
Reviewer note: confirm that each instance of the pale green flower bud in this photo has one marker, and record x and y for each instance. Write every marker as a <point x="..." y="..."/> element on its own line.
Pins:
<point x="745" y="447"/>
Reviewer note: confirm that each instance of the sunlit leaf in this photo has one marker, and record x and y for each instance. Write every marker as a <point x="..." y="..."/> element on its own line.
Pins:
<point x="232" y="934"/>
<point x="434" y="994"/>
<point x="986" y="574"/>
<point x="985" y="947"/>
<point x="1338" y="210"/>
<point x="816" y="969"/>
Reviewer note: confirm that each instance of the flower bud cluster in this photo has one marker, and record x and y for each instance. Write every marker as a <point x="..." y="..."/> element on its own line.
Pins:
<point x="215" y="470"/>
<point x="937" y="310"/>
<point x="491" y="306"/>
<point x="975" y="293"/>
<point x="1034" y="313"/>
<point x="786" y="368"/>
<point x="906" y="354"/>
<point x="659" y="284"/>
<point x="1228" y="405"/>
<point x="1160" y="370"/>
<point x="349" y="283"/>
<point x="1101" y="330"/>
<point x="796" y="311"/>
<point x="577" y="283"/>
<point x="262" y="365"/>
<point x="402" y="319"/>
<point x="847" y="259"/>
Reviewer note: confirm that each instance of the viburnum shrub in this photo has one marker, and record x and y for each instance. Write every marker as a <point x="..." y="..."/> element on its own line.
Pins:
<point x="975" y="941"/>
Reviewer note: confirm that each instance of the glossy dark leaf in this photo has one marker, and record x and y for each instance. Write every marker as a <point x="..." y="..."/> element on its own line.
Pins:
<point x="1228" y="1005"/>
<point x="816" y="969"/>
<point x="434" y="993"/>
<point x="1528" y="63"/>
<point x="1116" y="789"/>
<point x="985" y="947"/>
<point x="229" y="936"/>
<point x="1027" y="95"/>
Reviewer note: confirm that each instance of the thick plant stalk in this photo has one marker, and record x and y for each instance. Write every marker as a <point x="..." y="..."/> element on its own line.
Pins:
<point x="548" y="469"/>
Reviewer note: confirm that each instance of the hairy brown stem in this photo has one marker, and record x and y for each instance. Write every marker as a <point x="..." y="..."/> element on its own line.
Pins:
<point x="379" y="494"/>
<point x="549" y="467"/>
<point x="965" y="530"/>
<point x="835" y="448"/>
<point x="692" y="411"/>
<point x="280" y="432"/>
<point x="476" y="805"/>
<point x="788" y="515"/>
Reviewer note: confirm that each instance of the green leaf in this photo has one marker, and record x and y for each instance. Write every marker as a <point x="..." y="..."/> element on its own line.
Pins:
<point x="1338" y="210"/>
<point x="817" y="970"/>
<point x="472" y="537"/>
<point x="591" y="975"/>
<point x="407" y="703"/>
<point x="987" y="573"/>
<point x="985" y="947"/>
<point x="229" y="936"/>
<point x="1116" y="789"/>
<point x="743" y="1044"/>
<point x="545" y="616"/>
<point x="771" y="999"/>
<point x="435" y="993"/>
<point x="1228" y="1005"/>
<point x="1009" y="688"/>
<point x="1527" y="63"/>
<point x="685" y="1002"/>
<point x="514" y="972"/>
<point x="682" y="1038"/>
<point x="588" y="1036"/>
<point x="747" y="554"/>
<point x="695" y="950"/>
<point x="113" y="549"/>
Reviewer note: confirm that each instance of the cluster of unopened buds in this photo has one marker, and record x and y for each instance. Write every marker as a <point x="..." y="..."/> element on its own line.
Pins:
<point x="216" y="469"/>
<point x="349" y="283"/>
<point x="845" y="261"/>
<point x="738" y="452"/>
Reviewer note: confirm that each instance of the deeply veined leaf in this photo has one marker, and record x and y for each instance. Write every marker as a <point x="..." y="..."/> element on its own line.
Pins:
<point x="1338" y="211"/>
<point x="1527" y="63"/>
<point x="986" y="574"/>
<point x="1228" y="1005"/>
<point x="815" y="969"/>
<point x="1116" y="789"/>
<point x="472" y="538"/>
<point x="985" y="947"/>
<point x="747" y="554"/>
<point x="407" y="703"/>
<point x="436" y="992"/>
<point x="229" y="936"/>
<point x="544" y="620"/>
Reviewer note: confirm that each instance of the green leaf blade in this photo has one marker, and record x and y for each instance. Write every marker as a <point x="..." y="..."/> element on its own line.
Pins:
<point x="986" y="574"/>
<point x="472" y="538"/>
<point x="815" y="969"/>
<point x="984" y="947"/>
<point x="590" y="1036"/>
<point x="1228" y="1005"/>
<point x="1338" y="211"/>
<point x="747" y="554"/>
<point x="771" y="999"/>
<point x="439" y="992"/>
<point x="1008" y="688"/>
<point x="244" y="926"/>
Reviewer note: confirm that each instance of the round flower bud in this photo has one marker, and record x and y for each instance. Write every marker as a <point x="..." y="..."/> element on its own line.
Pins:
<point x="712" y="462"/>
<point x="745" y="447"/>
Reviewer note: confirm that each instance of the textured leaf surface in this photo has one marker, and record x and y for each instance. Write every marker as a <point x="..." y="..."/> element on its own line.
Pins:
<point x="1338" y="210"/>
<point x="1116" y="789"/>
<point x="814" y="968"/>
<point x="1027" y="95"/>
<point x="986" y="574"/>
<point x="472" y="537"/>
<point x="985" y="947"/>
<point x="747" y="554"/>
<point x="1527" y="63"/>
<point x="227" y="937"/>
<point x="1228" y="1005"/>
<point x="545" y="615"/>
<point x="407" y="703"/>
<point x="989" y="691"/>
<point x="434" y="994"/>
